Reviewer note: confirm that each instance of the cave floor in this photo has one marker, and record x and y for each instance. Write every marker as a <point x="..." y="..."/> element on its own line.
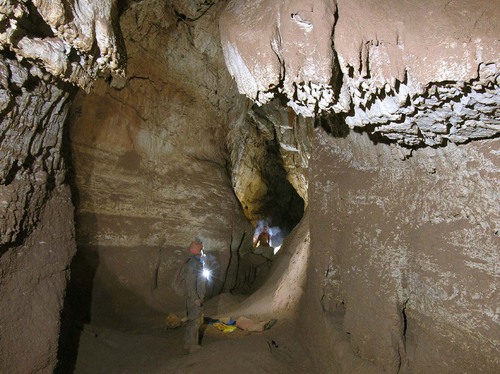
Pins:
<point x="157" y="350"/>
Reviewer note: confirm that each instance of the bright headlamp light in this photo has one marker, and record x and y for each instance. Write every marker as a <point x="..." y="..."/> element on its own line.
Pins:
<point x="206" y="273"/>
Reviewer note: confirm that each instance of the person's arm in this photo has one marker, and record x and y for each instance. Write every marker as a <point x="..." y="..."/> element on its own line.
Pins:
<point x="190" y="277"/>
<point x="201" y="288"/>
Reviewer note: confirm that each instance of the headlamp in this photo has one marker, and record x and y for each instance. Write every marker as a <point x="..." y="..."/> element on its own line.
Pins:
<point x="206" y="273"/>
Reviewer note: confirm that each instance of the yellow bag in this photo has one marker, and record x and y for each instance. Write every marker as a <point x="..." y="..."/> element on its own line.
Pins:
<point x="224" y="328"/>
<point x="172" y="321"/>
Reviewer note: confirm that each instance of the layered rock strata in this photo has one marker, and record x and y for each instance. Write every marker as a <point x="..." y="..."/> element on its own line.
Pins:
<point x="403" y="240"/>
<point x="410" y="76"/>
<point x="152" y="167"/>
<point x="411" y="270"/>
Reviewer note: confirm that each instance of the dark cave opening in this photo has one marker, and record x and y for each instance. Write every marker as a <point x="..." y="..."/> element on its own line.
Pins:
<point x="282" y="207"/>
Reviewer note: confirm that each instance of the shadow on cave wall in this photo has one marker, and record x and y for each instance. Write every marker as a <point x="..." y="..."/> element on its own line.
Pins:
<point x="77" y="301"/>
<point x="76" y="310"/>
<point x="334" y="124"/>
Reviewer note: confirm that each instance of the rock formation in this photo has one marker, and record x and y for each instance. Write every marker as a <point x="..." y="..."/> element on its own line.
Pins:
<point x="398" y="262"/>
<point x="418" y="75"/>
<point x="380" y="119"/>
<point x="151" y="164"/>
<point x="45" y="47"/>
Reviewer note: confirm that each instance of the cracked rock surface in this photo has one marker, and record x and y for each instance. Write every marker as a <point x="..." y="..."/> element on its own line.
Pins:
<point x="74" y="41"/>
<point x="36" y="216"/>
<point x="45" y="48"/>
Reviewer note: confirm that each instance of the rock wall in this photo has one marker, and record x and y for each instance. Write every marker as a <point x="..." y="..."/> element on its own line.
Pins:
<point x="36" y="229"/>
<point x="405" y="248"/>
<point x="34" y="276"/>
<point x="404" y="237"/>
<point x="404" y="240"/>
<point x="151" y="164"/>
<point x="269" y="150"/>
<point x="45" y="48"/>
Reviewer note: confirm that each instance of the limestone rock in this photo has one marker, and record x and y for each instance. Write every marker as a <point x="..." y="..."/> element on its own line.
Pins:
<point x="73" y="41"/>
<point x="388" y="70"/>
<point x="289" y="54"/>
<point x="34" y="276"/>
<point x="31" y="164"/>
<point x="414" y="240"/>
<point x="150" y="164"/>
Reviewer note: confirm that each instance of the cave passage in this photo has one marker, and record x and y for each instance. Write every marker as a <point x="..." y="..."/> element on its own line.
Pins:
<point x="122" y="286"/>
<point x="364" y="135"/>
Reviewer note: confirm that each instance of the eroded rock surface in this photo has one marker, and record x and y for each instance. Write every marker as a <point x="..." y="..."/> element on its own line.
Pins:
<point x="74" y="41"/>
<point x="386" y="239"/>
<point x="36" y="227"/>
<point x="151" y="165"/>
<point x="44" y="46"/>
<point x="284" y="47"/>
<point x="418" y="75"/>
<point x="33" y="113"/>
<point x="269" y="149"/>
<point x="413" y="250"/>
<point x="403" y="240"/>
<point x="34" y="275"/>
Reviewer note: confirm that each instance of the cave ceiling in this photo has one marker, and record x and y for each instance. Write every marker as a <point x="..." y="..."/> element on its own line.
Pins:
<point x="420" y="76"/>
<point x="423" y="76"/>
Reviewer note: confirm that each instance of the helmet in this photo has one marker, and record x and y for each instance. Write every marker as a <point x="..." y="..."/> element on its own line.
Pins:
<point x="195" y="247"/>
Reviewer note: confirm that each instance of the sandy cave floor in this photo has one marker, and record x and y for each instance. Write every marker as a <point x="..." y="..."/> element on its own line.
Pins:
<point x="152" y="348"/>
<point x="157" y="350"/>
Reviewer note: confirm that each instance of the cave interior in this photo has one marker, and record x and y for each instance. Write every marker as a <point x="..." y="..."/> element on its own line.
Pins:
<point x="363" y="134"/>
